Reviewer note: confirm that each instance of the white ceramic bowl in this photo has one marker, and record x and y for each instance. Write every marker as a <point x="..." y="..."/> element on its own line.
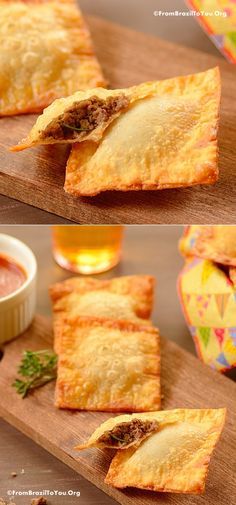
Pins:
<point x="18" y="308"/>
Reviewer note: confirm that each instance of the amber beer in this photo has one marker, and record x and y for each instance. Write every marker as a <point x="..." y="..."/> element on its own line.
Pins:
<point x="87" y="249"/>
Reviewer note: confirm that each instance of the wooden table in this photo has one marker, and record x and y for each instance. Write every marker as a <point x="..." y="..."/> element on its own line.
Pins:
<point x="149" y="249"/>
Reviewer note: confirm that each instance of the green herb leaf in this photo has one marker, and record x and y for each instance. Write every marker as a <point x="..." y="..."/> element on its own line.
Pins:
<point x="117" y="438"/>
<point x="76" y="129"/>
<point x="38" y="368"/>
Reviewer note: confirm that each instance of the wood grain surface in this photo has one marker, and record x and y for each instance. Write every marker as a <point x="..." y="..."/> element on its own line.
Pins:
<point x="185" y="383"/>
<point x="37" y="176"/>
<point x="36" y="469"/>
<point x="15" y="212"/>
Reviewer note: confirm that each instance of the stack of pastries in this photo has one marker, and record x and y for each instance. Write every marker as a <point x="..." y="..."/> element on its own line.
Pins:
<point x="109" y="360"/>
<point x="109" y="352"/>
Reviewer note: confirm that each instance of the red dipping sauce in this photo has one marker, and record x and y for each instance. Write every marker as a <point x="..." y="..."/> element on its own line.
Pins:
<point x="12" y="275"/>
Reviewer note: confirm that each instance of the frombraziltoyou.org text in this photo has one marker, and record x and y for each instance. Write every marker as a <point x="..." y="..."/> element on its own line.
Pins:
<point x="216" y="13"/>
<point x="43" y="492"/>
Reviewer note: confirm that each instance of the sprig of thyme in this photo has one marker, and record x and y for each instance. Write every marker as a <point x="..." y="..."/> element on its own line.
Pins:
<point x="117" y="438"/>
<point x="38" y="368"/>
<point x="75" y="128"/>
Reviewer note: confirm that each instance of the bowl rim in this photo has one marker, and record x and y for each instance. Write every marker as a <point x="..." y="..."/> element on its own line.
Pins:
<point x="30" y="276"/>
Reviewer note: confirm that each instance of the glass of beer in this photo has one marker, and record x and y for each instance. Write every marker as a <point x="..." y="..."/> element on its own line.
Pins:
<point x="87" y="249"/>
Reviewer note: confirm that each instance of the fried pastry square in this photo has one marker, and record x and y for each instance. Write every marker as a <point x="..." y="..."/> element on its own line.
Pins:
<point x="128" y="298"/>
<point x="165" y="138"/>
<point x="46" y="52"/>
<point x="174" y="459"/>
<point x="108" y="366"/>
<point x="216" y="243"/>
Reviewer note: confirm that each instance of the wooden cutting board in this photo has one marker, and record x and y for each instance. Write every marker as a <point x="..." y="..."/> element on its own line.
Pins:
<point x="186" y="382"/>
<point x="36" y="176"/>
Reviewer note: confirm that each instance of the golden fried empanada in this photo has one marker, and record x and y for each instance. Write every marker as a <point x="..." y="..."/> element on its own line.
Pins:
<point x="108" y="366"/>
<point x="46" y="52"/>
<point x="174" y="459"/>
<point x="165" y="138"/>
<point x="121" y="432"/>
<point x="127" y="298"/>
<point x="216" y="243"/>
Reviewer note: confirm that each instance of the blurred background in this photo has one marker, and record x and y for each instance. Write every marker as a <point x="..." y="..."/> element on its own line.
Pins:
<point x="138" y="14"/>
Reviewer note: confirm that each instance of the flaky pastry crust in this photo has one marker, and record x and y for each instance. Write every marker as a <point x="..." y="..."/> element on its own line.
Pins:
<point x="46" y="52"/>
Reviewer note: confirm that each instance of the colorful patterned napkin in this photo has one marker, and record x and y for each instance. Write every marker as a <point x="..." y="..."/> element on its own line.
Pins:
<point x="208" y="299"/>
<point x="220" y="28"/>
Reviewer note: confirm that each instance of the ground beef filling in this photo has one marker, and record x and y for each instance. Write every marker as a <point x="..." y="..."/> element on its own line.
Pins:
<point x="127" y="433"/>
<point x="83" y="117"/>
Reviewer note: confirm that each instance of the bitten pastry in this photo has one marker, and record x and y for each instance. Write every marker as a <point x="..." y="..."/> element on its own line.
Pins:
<point x="165" y="138"/>
<point x="216" y="243"/>
<point x="121" y="432"/>
<point x="46" y="52"/>
<point x="128" y="298"/>
<point x="108" y="366"/>
<point x="82" y="116"/>
<point x="174" y="459"/>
